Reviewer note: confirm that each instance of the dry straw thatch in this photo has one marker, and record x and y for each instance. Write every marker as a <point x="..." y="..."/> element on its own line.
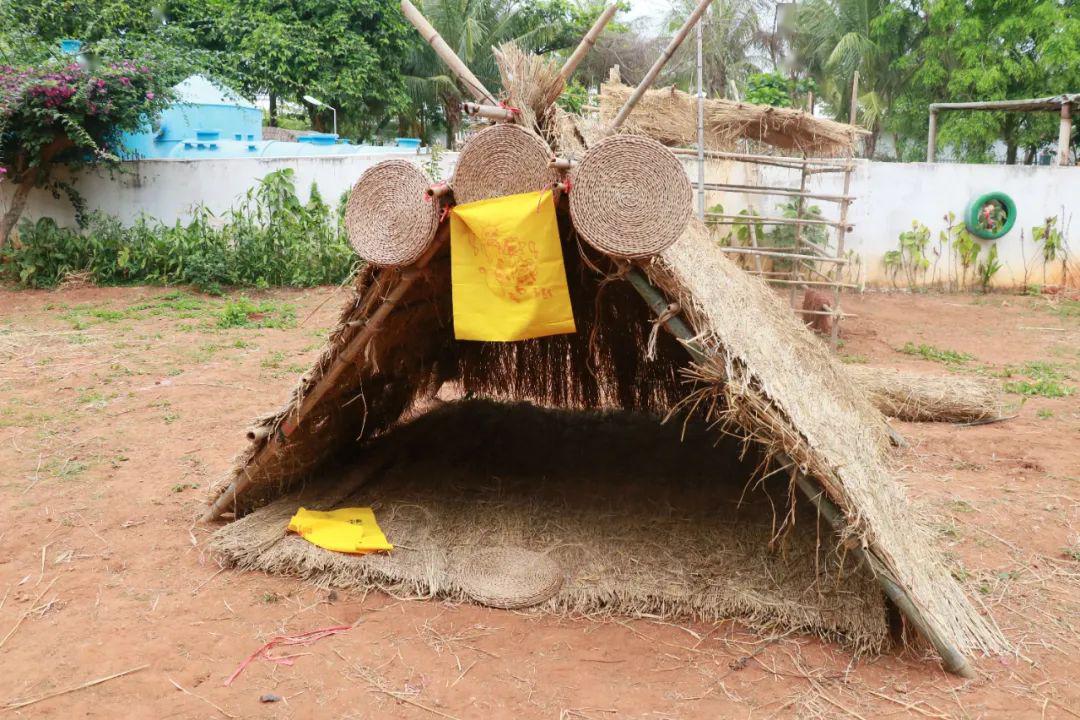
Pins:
<point x="928" y="398"/>
<point x="737" y="539"/>
<point x="765" y="379"/>
<point x="670" y="116"/>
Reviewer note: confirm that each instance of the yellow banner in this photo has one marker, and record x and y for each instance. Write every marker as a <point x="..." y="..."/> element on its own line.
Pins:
<point x="506" y="263"/>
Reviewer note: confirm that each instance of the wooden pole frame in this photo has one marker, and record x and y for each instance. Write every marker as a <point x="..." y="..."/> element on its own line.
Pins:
<point x="343" y="361"/>
<point x="952" y="659"/>
<point x="650" y="76"/>
<point x="588" y="41"/>
<point x="447" y="55"/>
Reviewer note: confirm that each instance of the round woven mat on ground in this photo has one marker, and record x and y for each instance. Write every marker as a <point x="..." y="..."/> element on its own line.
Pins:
<point x="388" y="219"/>
<point x="631" y="197"/>
<point x="502" y="160"/>
<point x="508" y="577"/>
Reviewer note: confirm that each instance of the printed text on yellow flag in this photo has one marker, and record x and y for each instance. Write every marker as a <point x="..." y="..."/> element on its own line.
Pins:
<point x="509" y="281"/>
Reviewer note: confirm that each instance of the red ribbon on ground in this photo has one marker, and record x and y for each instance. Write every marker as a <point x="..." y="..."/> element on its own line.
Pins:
<point x="301" y="639"/>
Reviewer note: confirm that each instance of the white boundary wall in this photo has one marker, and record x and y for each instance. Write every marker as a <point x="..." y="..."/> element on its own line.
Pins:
<point x="890" y="196"/>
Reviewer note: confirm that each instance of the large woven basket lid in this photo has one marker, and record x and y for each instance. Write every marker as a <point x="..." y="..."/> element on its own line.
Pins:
<point x="508" y="577"/>
<point x="631" y="197"/>
<point x="389" y="219"/>
<point x="500" y="160"/>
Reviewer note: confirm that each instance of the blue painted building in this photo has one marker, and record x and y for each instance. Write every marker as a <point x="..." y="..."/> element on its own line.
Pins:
<point x="209" y="120"/>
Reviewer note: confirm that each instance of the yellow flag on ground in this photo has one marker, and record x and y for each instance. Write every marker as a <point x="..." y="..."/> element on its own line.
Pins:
<point x="347" y="530"/>
<point x="508" y="277"/>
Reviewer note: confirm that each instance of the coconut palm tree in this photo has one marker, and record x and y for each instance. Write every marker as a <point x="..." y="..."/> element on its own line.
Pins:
<point x="732" y="44"/>
<point x="835" y="38"/>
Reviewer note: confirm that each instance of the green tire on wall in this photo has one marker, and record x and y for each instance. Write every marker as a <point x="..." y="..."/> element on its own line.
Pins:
<point x="971" y="217"/>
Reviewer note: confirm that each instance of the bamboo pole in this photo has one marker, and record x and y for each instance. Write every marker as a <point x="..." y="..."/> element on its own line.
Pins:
<point x="773" y="190"/>
<point x="952" y="659"/>
<point x="562" y="164"/>
<point x="799" y="209"/>
<point x="931" y="140"/>
<point x="794" y="163"/>
<point x="588" y="41"/>
<point x="841" y="236"/>
<point x="765" y="220"/>
<point x="650" y="77"/>
<point x="489" y="112"/>
<point x="438" y="190"/>
<point x="435" y="40"/>
<point x="344" y="361"/>
<point x="786" y="255"/>
<point x="1064" y="134"/>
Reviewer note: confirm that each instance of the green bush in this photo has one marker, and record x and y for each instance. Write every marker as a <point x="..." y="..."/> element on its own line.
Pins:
<point x="271" y="239"/>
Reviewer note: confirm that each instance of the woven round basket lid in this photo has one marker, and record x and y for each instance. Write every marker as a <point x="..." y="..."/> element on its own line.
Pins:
<point x="631" y="197"/>
<point x="508" y="577"/>
<point x="389" y="220"/>
<point x="500" y="160"/>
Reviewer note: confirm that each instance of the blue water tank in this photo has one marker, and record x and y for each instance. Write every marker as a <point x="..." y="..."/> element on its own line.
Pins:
<point x="202" y="107"/>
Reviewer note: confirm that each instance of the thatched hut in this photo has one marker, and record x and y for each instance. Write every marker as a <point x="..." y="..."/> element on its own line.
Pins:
<point x="691" y="450"/>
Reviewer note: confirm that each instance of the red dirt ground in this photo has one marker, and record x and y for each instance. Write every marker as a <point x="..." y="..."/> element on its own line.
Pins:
<point x="119" y="406"/>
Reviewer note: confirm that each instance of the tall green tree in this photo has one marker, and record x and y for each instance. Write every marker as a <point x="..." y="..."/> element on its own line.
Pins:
<point x="987" y="50"/>
<point x="346" y="53"/>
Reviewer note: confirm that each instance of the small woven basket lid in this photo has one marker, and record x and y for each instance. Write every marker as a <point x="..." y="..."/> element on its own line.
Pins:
<point x="508" y="577"/>
<point x="631" y="197"/>
<point x="500" y="160"/>
<point x="389" y="220"/>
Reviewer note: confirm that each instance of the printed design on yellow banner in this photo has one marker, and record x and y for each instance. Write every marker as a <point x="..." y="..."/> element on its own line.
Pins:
<point x="508" y="277"/>
<point x="510" y="261"/>
<point x="347" y="530"/>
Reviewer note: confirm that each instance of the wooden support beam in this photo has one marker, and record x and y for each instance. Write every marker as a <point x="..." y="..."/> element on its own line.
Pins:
<point x="448" y="56"/>
<point x="344" y="361"/>
<point x="786" y="255"/>
<point x="488" y="112"/>
<point x="774" y="190"/>
<point x="588" y="41"/>
<point x="1064" y="134"/>
<point x="794" y="163"/>
<point x="650" y="76"/>
<point x="952" y="659"/>
<point x="730" y="219"/>
<point x="931" y="139"/>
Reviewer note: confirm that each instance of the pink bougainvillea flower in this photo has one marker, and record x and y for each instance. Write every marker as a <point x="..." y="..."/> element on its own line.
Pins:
<point x="149" y="96"/>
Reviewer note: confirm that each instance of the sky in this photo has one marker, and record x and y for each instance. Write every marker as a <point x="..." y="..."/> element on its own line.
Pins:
<point x="651" y="10"/>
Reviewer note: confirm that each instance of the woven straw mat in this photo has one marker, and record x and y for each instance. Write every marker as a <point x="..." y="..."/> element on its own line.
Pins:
<point x="508" y="577"/>
<point x="631" y="197"/>
<point x="502" y="160"/>
<point x="389" y="219"/>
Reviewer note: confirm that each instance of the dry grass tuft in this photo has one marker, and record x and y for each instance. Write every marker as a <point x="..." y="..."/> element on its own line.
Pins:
<point x="670" y="116"/>
<point x="928" y="398"/>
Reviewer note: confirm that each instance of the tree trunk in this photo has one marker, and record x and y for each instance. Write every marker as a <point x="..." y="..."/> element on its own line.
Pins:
<point x="1010" y="152"/>
<point x="28" y="177"/>
<point x="1029" y="154"/>
<point x="18" y="204"/>
<point x="273" y="110"/>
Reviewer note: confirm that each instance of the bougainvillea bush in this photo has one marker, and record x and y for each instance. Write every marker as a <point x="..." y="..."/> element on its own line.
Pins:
<point x="70" y="113"/>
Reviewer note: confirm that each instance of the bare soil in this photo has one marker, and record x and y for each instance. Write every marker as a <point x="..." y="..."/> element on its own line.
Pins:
<point x="118" y="407"/>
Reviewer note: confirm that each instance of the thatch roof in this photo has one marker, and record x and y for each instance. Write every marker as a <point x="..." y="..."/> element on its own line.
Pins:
<point x="670" y="116"/>
<point x="765" y="378"/>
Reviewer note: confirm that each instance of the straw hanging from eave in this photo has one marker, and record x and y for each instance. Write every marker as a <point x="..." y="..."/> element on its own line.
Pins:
<point x="588" y="41"/>
<point x="448" y="56"/>
<point x="650" y="77"/>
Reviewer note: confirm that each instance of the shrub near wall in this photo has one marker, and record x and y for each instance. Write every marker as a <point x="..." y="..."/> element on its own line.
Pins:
<point x="270" y="239"/>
